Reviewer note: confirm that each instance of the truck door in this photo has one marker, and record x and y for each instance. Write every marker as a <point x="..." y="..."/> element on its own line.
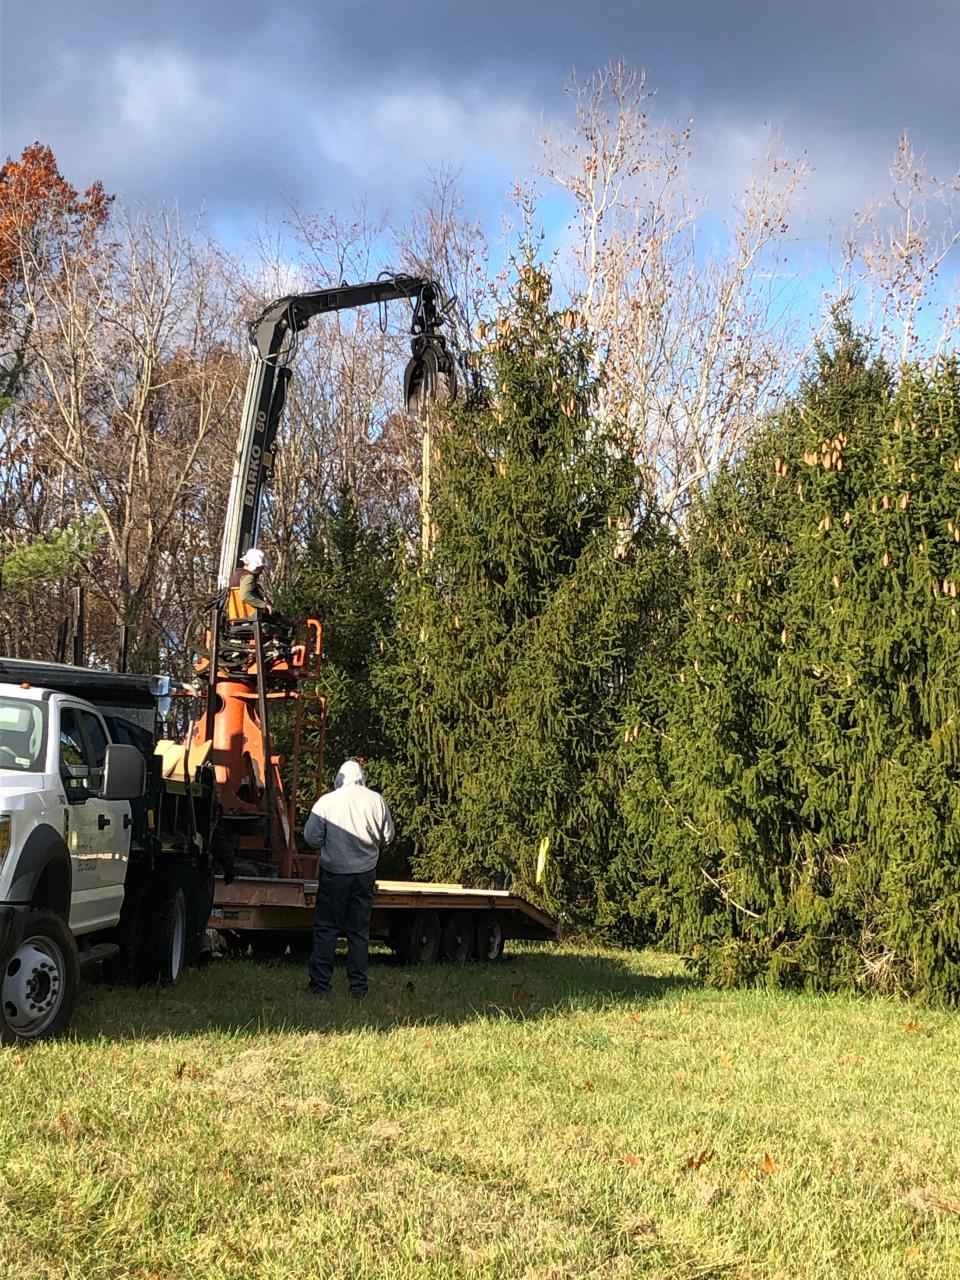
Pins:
<point x="112" y="822"/>
<point x="76" y="765"/>
<point x="99" y="835"/>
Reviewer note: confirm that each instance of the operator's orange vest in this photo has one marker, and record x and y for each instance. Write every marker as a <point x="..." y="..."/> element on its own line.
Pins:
<point x="236" y="609"/>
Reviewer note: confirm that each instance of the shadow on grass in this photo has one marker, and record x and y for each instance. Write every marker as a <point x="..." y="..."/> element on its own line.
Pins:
<point x="241" y="996"/>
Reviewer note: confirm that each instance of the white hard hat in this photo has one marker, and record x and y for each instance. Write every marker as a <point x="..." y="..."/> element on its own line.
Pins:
<point x="253" y="559"/>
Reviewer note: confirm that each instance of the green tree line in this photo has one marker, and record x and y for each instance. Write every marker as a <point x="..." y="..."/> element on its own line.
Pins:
<point x="742" y="742"/>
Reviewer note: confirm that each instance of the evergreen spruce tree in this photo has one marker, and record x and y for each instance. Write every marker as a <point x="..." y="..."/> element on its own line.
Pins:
<point x="348" y="581"/>
<point x="517" y="634"/>
<point x="808" y="829"/>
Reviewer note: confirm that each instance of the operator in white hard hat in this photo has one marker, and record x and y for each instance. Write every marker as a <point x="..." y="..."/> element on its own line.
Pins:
<point x="245" y="596"/>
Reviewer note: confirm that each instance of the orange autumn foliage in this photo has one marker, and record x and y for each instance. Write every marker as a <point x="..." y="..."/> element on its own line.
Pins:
<point x="34" y="195"/>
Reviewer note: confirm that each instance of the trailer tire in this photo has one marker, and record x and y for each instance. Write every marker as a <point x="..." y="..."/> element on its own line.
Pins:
<point x="489" y="938"/>
<point x="132" y="965"/>
<point x="420" y="938"/>
<point x="199" y="905"/>
<point x="266" y="945"/>
<point x="169" y="939"/>
<point x="458" y="937"/>
<point x="40" y="981"/>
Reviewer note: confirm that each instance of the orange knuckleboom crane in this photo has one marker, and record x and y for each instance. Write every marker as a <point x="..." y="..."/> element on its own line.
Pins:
<point x="254" y="661"/>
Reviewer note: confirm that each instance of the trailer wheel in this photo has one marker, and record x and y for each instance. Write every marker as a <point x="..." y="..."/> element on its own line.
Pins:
<point x="132" y="965"/>
<point x="199" y="905"/>
<point x="39" y="982"/>
<point x="265" y="945"/>
<point x="420" y="939"/>
<point x="458" y="937"/>
<point x="169" y="939"/>
<point x="489" y="943"/>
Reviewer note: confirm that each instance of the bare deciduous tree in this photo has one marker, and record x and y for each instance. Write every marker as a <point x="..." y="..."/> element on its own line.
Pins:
<point x="689" y="335"/>
<point x="129" y="383"/>
<point x="895" y="254"/>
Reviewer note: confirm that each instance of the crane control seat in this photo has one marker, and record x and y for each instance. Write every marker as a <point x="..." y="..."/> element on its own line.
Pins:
<point x="291" y="649"/>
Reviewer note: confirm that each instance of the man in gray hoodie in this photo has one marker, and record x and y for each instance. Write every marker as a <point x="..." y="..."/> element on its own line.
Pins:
<point x="349" y="825"/>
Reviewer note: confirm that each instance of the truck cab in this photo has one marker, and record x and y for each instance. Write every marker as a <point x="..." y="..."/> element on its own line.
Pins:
<point x="53" y="761"/>
<point x="99" y="860"/>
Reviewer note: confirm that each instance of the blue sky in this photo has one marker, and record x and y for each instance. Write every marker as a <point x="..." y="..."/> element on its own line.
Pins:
<point x="240" y="107"/>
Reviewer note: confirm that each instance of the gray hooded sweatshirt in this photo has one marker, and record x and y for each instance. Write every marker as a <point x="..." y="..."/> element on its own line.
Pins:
<point x="349" y="825"/>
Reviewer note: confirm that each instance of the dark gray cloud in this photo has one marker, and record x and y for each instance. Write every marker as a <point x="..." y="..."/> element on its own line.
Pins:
<point x="234" y="105"/>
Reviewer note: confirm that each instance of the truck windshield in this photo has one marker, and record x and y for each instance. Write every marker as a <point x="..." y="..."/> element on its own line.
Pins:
<point x="22" y="735"/>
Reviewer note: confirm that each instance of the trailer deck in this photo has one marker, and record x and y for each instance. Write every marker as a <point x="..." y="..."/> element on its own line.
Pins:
<point x="422" y="920"/>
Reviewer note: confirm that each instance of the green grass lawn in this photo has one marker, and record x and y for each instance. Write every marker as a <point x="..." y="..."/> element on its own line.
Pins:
<point x="563" y="1114"/>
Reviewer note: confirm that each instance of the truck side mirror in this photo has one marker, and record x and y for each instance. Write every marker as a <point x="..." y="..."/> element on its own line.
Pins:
<point x="124" y="773"/>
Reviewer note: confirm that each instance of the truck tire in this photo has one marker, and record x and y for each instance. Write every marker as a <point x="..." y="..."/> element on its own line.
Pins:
<point x="458" y="937"/>
<point x="169" y="938"/>
<point x="40" y="981"/>
<point x="419" y="938"/>
<point x="489" y="933"/>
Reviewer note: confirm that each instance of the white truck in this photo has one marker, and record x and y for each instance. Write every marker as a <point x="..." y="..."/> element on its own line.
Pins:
<point x="102" y="857"/>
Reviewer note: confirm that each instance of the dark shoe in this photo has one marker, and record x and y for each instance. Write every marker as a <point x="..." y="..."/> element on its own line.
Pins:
<point x="315" y="990"/>
<point x="357" y="994"/>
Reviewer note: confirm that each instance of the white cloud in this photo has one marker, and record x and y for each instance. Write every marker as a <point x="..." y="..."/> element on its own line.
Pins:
<point x="390" y="139"/>
<point x="159" y="91"/>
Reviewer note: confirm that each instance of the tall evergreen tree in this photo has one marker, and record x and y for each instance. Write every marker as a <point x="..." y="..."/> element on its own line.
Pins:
<point x="348" y="581"/>
<point x="810" y="829"/>
<point x="517" y="635"/>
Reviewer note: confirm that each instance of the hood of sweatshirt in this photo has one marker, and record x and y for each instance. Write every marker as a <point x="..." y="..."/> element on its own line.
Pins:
<point x="349" y="774"/>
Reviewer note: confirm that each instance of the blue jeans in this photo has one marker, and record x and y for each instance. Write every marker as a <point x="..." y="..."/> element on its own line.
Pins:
<point x="344" y="903"/>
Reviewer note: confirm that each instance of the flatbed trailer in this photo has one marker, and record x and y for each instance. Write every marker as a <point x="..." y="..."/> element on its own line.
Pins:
<point x="422" y="921"/>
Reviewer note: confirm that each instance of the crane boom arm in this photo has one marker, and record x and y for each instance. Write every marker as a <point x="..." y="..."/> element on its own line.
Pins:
<point x="267" y="382"/>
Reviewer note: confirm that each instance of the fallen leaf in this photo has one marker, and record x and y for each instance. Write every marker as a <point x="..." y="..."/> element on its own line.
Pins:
<point x="410" y="988"/>
<point x="912" y="1025"/>
<point x="725" y="1061"/>
<point x="187" y="1069"/>
<point x="522" y="997"/>
<point x="634" y="1017"/>
<point x="680" y="1075"/>
<point x="700" y="1159"/>
<point x="632" y="1160"/>
<point x="848" y="1059"/>
<point x="428" y="1042"/>
<point x="767" y="1164"/>
<point x="686" y="1008"/>
<point x="588" y="1087"/>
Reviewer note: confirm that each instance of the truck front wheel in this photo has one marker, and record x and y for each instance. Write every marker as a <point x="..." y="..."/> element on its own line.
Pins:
<point x="40" y="981"/>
